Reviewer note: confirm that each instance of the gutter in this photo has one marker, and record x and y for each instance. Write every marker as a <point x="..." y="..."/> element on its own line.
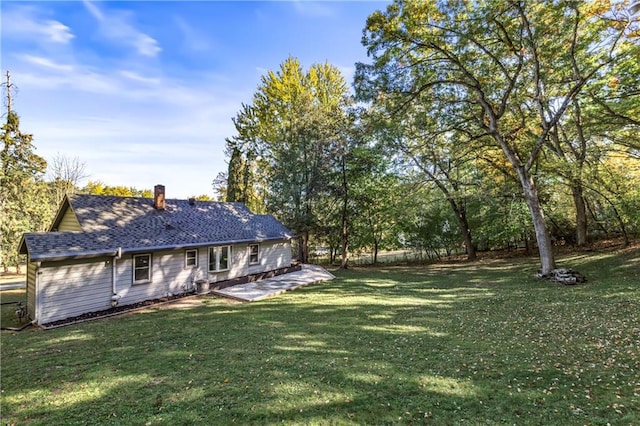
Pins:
<point x="72" y="255"/>
<point x="145" y="249"/>
<point x="133" y="250"/>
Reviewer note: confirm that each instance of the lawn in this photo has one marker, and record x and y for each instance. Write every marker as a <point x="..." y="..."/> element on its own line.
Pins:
<point x="449" y="343"/>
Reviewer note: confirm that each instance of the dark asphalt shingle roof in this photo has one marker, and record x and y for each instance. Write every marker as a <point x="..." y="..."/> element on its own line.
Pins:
<point x="134" y="224"/>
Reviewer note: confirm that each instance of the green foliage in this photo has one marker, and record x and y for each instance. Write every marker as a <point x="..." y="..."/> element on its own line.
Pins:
<point x="243" y="177"/>
<point x="295" y="123"/>
<point x="100" y="188"/>
<point x="21" y="189"/>
<point x="495" y="73"/>
<point x="428" y="224"/>
<point x="9" y="299"/>
<point x="448" y="343"/>
<point x="380" y="202"/>
<point x="235" y="188"/>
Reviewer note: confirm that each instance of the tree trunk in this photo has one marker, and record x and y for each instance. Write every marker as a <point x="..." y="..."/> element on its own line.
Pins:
<point x="344" y="263"/>
<point x="459" y="211"/>
<point x="463" y="224"/>
<point x="545" y="248"/>
<point x="375" y="252"/>
<point x="527" y="243"/>
<point x="303" y="247"/>
<point x="581" y="214"/>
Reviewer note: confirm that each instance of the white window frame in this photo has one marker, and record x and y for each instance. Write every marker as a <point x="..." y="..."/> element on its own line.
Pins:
<point x="256" y="254"/>
<point x="217" y="252"/>
<point x="148" y="267"/>
<point x="186" y="258"/>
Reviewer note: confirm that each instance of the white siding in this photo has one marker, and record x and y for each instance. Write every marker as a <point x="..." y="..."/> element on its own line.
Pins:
<point x="67" y="290"/>
<point x="74" y="288"/>
<point x="168" y="277"/>
<point x="273" y="255"/>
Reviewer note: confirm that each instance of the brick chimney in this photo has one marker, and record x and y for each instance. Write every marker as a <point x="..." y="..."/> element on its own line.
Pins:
<point x="158" y="197"/>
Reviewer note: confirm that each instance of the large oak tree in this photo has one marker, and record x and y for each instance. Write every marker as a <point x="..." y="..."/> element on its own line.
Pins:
<point x="500" y="71"/>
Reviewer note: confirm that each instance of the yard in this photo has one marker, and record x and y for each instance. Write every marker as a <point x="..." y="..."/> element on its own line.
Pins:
<point x="449" y="343"/>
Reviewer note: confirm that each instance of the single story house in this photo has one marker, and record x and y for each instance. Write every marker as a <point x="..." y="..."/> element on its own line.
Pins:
<point x="104" y="251"/>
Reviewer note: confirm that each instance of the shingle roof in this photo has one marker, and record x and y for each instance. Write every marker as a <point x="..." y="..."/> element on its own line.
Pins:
<point x="134" y="224"/>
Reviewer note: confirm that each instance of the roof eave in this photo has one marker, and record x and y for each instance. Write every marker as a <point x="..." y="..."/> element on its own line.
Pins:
<point x="72" y="255"/>
<point x="132" y="250"/>
<point x="204" y="244"/>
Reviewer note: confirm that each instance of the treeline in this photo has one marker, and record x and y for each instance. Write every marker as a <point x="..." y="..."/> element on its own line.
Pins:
<point x="504" y="125"/>
<point x="31" y="190"/>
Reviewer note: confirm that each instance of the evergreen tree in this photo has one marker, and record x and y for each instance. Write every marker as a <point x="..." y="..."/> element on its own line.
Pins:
<point x="23" y="205"/>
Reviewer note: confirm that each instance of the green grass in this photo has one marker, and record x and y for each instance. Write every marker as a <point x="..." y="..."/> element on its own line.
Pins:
<point x="8" y="317"/>
<point x="458" y="343"/>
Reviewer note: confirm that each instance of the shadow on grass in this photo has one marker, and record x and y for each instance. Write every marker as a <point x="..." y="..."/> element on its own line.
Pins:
<point x="444" y="344"/>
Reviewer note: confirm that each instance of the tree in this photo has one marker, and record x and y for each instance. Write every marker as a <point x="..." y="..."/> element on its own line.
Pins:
<point x="357" y="163"/>
<point x="436" y="152"/>
<point x="100" y="188"/>
<point x="21" y="186"/>
<point x="291" y="130"/>
<point x="380" y="202"/>
<point x="503" y="71"/>
<point x="242" y="175"/>
<point x="220" y="186"/>
<point x="235" y="188"/>
<point x="616" y="197"/>
<point x="65" y="174"/>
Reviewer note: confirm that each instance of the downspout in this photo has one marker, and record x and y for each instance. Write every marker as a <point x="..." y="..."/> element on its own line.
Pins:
<point x="37" y="295"/>
<point x="114" y="297"/>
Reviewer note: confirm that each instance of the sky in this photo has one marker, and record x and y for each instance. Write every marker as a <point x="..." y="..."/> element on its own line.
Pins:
<point x="143" y="92"/>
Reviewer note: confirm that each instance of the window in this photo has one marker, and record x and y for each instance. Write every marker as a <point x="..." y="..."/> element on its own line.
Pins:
<point x="254" y="254"/>
<point x="142" y="268"/>
<point x="219" y="258"/>
<point x="190" y="258"/>
<point x="223" y="261"/>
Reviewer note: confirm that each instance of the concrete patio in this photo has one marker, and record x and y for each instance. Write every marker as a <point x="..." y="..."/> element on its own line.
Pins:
<point x="269" y="287"/>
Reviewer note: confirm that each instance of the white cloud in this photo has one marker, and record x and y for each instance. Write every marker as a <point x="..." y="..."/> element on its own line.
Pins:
<point x="131" y="126"/>
<point x="46" y="63"/>
<point x="134" y="76"/>
<point x="145" y="45"/>
<point x="93" y="10"/>
<point x="116" y="27"/>
<point x="57" y="31"/>
<point x="193" y="40"/>
<point x="26" y="22"/>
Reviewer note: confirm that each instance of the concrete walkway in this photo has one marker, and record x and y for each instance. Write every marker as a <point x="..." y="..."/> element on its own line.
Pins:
<point x="258" y="290"/>
<point x="12" y="285"/>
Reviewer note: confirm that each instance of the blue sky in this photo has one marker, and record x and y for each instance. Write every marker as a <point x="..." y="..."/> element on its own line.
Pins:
<point x="144" y="92"/>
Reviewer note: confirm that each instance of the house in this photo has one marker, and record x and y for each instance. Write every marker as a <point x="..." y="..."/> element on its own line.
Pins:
<point x="105" y="251"/>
